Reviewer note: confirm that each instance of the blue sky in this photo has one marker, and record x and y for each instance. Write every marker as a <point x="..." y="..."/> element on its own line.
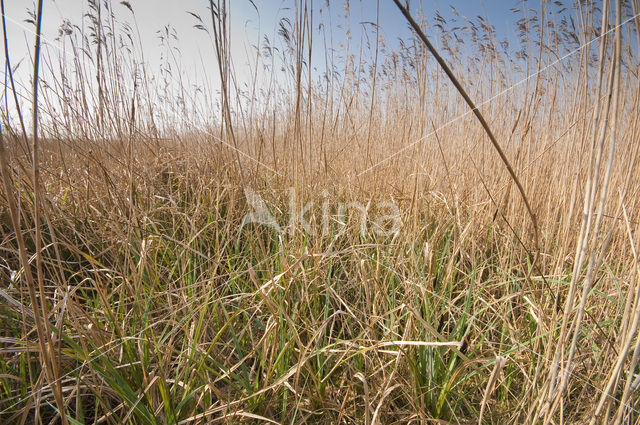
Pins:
<point x="152" y="15"/>
<point x="392" y="24"/>
<point x="247" y="27"/>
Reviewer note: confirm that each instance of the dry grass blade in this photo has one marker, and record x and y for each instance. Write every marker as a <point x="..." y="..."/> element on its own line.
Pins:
<point x="493" y="378"/>
<point x="476" y="112"/>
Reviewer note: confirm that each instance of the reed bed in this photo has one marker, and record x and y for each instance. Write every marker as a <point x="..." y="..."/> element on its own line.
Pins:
<point x="180" y="256"/>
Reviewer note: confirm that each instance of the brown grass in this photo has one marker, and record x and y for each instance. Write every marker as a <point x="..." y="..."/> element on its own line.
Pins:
<point x="164" y="306"/>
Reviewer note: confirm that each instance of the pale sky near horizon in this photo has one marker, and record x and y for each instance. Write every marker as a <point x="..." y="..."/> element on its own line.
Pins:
<point x="247" y="26"/>
<point x="153" y="15"/>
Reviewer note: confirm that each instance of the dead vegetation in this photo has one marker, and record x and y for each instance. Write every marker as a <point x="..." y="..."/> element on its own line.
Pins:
<point x="134" y="291"/>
